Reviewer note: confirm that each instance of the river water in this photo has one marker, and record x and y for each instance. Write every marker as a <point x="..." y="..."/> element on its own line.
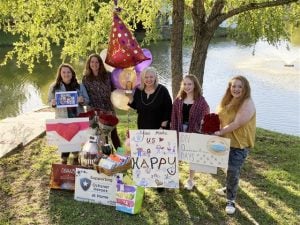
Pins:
<point x="275" y="87"/>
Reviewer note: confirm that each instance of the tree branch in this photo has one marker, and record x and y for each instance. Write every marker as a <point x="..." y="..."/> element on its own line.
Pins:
<point x="252" y="6"/>
<point x="216" y="9"/>
<point x="198" y="11"/>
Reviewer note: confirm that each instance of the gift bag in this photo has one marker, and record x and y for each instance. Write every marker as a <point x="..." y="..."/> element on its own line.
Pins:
<point x="129" y="198"/>
<point x="63" y="176"/>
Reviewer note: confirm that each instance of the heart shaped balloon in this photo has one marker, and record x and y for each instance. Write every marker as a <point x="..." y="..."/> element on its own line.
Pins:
<point x="123" y="49"/>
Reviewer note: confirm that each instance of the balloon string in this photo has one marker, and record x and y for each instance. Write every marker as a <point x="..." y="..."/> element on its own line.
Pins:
<point x="128" y="121"/>
<point x="116" y="8"/>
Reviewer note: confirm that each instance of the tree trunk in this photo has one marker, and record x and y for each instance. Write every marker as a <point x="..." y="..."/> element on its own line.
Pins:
<point x="200" y="48"/>
<point x="176" y="45"/>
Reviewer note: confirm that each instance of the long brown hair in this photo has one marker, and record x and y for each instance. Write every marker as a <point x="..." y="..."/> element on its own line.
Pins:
<point x="74" y="83"/>
<point x="228" y="98"/>
<point x="197" y="87"/>
<point x="102" y="73"/>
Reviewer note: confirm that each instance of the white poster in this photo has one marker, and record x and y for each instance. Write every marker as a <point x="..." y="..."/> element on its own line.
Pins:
<point x="154" y="158"/>
<point x="91" y="186"/>
<point x="203" y="149"/>
<point x="68" y="134"/>
<point x="203" y="168"/>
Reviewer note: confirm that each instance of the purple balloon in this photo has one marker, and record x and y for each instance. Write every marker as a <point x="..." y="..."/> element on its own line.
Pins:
<point x="115" y="78"/>
<point x="138" y="79"/>
<point x="115" y="75"/>
<point x="139" y="67"/>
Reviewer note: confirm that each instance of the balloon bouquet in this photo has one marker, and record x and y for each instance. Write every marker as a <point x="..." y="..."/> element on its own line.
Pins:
<point x="125" y="59"/>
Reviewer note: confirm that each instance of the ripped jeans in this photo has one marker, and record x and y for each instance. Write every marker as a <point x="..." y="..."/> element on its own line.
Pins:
<point x="236" y="160"/>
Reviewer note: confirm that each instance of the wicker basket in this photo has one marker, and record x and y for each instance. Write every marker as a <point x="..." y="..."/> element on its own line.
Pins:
<point x="119" y="169"/>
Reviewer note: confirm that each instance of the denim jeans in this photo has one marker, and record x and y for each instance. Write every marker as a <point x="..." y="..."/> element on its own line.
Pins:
<point x="237" y="158"/>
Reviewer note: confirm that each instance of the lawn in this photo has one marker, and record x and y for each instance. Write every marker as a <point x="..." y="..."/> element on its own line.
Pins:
<point x="269" y="190"/>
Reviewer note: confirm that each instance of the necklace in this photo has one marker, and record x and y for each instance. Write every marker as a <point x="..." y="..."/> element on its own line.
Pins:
<point x="156" y="94"/>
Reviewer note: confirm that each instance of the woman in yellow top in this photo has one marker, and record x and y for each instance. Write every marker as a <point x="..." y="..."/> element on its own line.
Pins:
<point x="238" y="123"/>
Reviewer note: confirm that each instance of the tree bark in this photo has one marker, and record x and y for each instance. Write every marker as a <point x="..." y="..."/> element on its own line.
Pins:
<point x="200" y="48"/>
<point x="176" y="45"/>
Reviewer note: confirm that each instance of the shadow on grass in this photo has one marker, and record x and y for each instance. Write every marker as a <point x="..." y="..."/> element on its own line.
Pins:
<point x="65" y="210"/>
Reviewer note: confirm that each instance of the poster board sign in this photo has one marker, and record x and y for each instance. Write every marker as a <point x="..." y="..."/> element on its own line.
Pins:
<point x="203" y="168"/>
<point x="63" y="176"/>
<point x="66" y="99"/>
<point x="154" y="158"/>
<point x="94" y="187"/>
<point x="68" y="134"/>
<point x="204" y="149"/>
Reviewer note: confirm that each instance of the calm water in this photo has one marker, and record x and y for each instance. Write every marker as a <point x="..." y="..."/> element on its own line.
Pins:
<point x="275" y="88"/>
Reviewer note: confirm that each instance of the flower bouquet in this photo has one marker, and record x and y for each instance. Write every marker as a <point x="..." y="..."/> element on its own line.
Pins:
<point x="211" y="123"/>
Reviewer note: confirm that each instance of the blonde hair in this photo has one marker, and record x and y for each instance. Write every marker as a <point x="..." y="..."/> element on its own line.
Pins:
<point x="228" y="98"/>
<point x="143" y="74"/>
<point x="197" y="87"/>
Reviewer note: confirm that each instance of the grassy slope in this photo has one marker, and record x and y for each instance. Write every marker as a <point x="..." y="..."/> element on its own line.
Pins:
<point x="269" y="193"/>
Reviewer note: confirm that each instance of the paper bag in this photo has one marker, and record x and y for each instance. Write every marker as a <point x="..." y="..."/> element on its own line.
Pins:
<point x="63" y="176"/>
<point x="129" y="198"/>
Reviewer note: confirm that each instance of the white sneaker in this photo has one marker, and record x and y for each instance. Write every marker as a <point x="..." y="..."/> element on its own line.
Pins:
<point x="221" y="191"/>
<point x="189" y="184"/>
<point x="230" y="207"/>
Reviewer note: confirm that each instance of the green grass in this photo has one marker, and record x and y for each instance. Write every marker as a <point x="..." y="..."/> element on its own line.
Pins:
<point x="269" y="190"/>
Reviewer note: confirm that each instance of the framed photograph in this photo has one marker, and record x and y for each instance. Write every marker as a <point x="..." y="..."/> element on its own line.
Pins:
<point x="66" y="99"/>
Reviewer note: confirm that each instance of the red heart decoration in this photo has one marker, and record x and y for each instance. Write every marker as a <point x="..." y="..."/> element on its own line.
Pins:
<point x="67" y="130"/>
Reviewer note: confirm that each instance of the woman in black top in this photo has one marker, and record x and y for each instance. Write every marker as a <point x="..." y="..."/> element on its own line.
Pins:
<point x="152" y="102"/>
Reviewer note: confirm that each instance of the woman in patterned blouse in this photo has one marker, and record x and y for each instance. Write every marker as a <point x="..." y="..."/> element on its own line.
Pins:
<point x="98" y="85"/>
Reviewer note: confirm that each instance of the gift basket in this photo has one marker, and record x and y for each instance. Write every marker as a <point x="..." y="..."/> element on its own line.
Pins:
<point x="111" y="163"/>
<point x="97" y="153"/>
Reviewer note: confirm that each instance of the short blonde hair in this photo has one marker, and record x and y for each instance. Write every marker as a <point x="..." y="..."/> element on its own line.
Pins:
<point x="143" y="74"/>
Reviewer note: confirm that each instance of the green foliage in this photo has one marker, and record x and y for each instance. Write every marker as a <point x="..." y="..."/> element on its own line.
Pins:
<point x="78" y="26"/>
<point x="270" y="24"/>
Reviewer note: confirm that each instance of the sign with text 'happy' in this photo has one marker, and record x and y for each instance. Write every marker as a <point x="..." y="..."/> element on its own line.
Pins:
<point x="154" y="158"/>
<point x="203" y="149"/>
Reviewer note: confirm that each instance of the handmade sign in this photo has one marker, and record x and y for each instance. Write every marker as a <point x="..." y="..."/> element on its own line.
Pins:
<point x="66" y="99"/>
<point x="204" y="149"/>
<point x="129" y="198"/>
<point x="203" y="168"/>
<point x="63" y="176"/>
<point x="94" y="187"/>
<point x="68" y="134"/>
<point x="154" y="158"/>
